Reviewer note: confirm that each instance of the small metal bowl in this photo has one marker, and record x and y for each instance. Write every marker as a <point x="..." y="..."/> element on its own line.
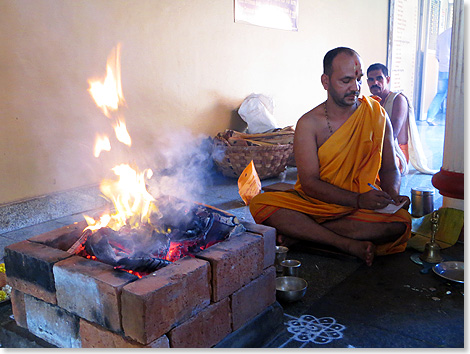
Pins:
<point x="290" y="289"/>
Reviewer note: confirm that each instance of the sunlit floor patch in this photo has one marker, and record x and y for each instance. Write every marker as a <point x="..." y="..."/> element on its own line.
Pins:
<point x="309" y="329"/>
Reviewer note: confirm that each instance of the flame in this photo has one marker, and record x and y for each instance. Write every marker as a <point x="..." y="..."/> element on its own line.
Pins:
<point x="108" y="94"/>
<point x="130" y="197"/>
<point x="101" y="144"/>
<point x="94" y="225"/>
<point x="133" y="203"/>
<point x="121" y="133"/>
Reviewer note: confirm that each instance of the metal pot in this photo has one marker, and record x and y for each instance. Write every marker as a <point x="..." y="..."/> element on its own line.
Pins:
<point x="422" y="201"/>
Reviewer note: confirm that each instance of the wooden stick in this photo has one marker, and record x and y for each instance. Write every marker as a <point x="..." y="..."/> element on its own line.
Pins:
<point x="81" y="240"/>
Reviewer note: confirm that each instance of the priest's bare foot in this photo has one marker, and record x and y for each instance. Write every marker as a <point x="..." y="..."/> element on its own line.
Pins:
<point x="285" y="241"/>
<point x="364" y="250"/>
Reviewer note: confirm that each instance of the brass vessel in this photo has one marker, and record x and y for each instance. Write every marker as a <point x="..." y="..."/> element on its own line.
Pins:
<point x="432" y="250"/>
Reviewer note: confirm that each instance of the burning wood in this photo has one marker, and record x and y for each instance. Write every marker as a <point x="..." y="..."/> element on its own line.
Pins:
<point x="78" y="245"/>
<point x="142" y="264"/>
<point x="178" y="229"/>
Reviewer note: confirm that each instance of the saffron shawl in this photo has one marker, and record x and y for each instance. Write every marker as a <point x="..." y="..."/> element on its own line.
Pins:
<point x="349" y="159"/>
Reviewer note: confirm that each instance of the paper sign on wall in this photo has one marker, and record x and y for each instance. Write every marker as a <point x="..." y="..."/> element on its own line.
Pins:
<point x="279" y="14"/>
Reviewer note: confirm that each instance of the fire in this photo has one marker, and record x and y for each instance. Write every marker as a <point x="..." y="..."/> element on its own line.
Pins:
<point x="130" y="197"/>
<point x="133" y="204"/>
<point x="121" y="133"/>
<point x="127" y="239"/>
<point x="94" y="225"/>
<point x="108" y="94"/>
<point x="137" y="274"/>
<point x="101" y="144"/>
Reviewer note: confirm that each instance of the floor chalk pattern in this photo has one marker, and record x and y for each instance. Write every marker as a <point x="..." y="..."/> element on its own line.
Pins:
<point x="309" y="329"/>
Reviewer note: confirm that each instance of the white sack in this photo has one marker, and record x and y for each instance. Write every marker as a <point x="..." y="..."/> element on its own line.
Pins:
<point x="257" y="111"/>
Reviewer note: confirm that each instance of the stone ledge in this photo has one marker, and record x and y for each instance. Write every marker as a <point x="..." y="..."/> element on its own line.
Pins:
<point x="17" y="215"/>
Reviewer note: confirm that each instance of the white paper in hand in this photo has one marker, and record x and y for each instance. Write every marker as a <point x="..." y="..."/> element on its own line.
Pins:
<point x="390" y="209"/>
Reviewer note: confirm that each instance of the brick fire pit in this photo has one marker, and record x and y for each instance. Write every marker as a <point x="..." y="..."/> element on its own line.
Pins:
<point x="74" y="302"/>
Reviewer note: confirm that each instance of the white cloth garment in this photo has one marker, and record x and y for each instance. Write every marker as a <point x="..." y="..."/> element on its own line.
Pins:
<point x="417" y="157"/>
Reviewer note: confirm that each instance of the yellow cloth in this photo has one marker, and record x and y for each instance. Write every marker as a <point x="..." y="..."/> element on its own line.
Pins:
<point x="350" y="159"/>
<point x="450" y="225"/>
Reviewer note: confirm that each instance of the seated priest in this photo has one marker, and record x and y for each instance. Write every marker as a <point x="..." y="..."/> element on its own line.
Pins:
<point x="347" y="175"/>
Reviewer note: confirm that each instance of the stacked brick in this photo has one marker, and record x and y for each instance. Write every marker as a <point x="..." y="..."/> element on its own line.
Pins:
<point x="74" y="302"/>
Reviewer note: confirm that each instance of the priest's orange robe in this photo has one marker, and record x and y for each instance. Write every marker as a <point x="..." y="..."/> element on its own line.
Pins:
<point x="350" y="159"/>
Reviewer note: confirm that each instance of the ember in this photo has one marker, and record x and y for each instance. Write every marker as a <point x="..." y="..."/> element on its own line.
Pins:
<point x="182" y="229"/>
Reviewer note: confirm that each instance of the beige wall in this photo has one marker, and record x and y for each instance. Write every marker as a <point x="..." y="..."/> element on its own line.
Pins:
<point x="185" y="66"/>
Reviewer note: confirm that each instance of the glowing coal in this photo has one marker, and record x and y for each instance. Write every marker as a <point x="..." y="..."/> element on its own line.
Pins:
<point x="178" y="229"/>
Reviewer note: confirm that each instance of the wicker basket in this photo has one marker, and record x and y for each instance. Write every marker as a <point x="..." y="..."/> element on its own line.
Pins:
<point x="269" y="160"/>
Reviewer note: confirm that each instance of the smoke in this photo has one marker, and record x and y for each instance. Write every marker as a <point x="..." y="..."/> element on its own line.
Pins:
<point x="183" y="166"/>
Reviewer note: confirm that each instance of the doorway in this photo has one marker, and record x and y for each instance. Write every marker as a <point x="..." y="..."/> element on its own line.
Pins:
<point x="413" y="31"/>
<point x="436" y="20"/>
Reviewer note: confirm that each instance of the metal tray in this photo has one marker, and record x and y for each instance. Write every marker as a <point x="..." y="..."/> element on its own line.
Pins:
<point x="450" y="270"/>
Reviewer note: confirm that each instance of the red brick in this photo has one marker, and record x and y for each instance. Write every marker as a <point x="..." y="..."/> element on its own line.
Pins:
<point x="205" y="329"/>
<point x="17" y="306"/>
<point x="151" y="306"/>
<point x="91" y="290"/>
<point x="234" y="263"/>
<point x="29" y="268"/>
<point x="269" y="238"/>
<point x="62" y="238"/>
<point x="95" y="336"/>
<point x="52" y="323"/>
<point x="253" y="298"/>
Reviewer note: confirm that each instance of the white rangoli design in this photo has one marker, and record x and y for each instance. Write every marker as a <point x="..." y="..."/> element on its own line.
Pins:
<point x="309" y="329"/>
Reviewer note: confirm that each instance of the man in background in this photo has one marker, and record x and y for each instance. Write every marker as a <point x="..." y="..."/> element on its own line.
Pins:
<point x="443" y="57"/>
<point x="400" y="111"/>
